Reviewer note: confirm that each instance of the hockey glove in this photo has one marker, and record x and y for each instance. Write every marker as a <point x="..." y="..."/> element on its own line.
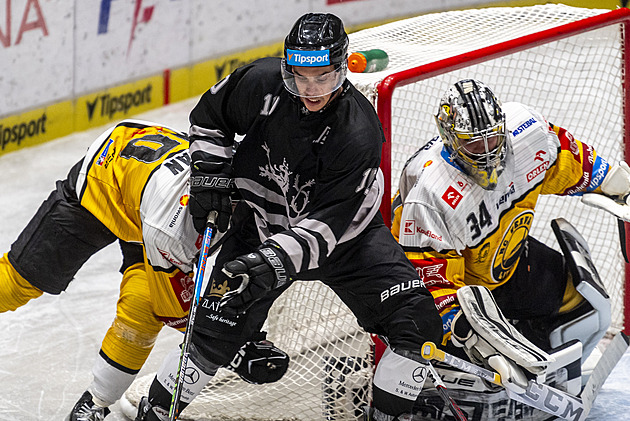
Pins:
<point x="211" y="185"/>
<point x="260" y="272"/>
<point x="260" y="362"/>
<point x="616" y="193"/>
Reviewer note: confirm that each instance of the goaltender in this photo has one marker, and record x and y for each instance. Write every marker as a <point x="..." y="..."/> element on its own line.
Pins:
<point x="463" y="214"/>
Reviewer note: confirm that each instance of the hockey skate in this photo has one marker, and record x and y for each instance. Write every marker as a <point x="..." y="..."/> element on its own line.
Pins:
<point x="147" y="412"/>
<point x="86" y="410"/>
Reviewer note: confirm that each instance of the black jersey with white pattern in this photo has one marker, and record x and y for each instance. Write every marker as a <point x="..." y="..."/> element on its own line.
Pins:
<point x="309" y="177"/>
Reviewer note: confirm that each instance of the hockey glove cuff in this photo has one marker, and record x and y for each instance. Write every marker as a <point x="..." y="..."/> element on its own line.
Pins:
<point x="617" y="181"/>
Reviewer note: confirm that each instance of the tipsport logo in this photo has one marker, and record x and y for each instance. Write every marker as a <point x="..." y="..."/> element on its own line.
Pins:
<point x="308" y="58"/>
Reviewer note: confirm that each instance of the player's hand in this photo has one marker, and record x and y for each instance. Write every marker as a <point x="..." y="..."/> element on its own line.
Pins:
<point x="211" y="186"/>
<point x="260" y="272"/>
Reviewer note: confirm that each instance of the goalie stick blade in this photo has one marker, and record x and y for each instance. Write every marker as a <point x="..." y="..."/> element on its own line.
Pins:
<point x="546" y="398"/>
<point x="552" y="401"/>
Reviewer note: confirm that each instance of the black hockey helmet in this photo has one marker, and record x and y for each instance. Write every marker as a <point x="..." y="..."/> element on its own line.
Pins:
<point x="316" y="39"/>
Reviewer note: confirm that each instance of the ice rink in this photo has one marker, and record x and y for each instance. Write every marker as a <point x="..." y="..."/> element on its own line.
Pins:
<point x="48" y="346"/>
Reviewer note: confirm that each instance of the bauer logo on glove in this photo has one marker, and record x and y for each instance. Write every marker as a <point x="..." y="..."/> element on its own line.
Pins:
<point x="266" y="269"/>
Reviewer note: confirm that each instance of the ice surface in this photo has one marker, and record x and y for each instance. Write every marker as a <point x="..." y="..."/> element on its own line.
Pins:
<point x="48" y="346"/>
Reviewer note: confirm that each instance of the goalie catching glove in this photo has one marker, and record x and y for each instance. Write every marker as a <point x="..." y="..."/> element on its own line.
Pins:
<point x="264" y="270"/>
<point x="489" y="339"/>
<point x="616" y="193"/>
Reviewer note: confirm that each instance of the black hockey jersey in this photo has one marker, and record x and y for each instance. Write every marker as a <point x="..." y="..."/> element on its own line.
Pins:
<point x="309" y="177"/>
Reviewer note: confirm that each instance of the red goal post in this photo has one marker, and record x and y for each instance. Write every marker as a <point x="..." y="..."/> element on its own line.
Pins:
<point x="489" y="44"/>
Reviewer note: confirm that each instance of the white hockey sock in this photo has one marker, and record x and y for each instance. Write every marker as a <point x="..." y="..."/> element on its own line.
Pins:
<point x="195" y="379"/>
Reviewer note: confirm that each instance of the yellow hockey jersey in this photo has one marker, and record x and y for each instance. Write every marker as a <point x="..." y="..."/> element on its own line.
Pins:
<point x="134" y="179"/>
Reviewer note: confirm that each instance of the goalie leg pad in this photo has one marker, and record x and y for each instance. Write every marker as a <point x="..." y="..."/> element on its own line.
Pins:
<point x="399" y="378"/>
<point x="488" y="323"/>
<point x="586" y="325"/>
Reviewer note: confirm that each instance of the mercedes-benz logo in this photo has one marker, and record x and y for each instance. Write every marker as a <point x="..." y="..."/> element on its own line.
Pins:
<point x="419" y="375"/>
<point x="191" y="376"/>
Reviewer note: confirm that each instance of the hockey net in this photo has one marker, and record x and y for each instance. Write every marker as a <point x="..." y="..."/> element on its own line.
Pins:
<point x="566" y="62"/>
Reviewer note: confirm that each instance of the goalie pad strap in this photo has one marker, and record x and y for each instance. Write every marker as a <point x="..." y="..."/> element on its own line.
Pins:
<point x="488" y="322"/>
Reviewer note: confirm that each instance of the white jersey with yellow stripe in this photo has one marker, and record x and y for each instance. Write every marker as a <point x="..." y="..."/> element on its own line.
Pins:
<point x="444" y="210"/>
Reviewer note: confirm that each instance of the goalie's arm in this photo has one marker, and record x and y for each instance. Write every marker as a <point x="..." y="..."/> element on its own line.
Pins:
<point x="614" y="193"/>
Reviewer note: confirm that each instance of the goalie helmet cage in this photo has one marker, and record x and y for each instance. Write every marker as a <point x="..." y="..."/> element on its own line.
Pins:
<point x="569" y="63"/>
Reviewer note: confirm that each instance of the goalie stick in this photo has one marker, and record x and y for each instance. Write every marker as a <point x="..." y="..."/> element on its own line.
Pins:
<point x="540" y="396"/>
<point x="183" y="357"/>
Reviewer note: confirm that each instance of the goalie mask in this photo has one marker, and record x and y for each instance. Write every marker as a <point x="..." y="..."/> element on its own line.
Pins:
<point x="316" y="40"/>
<point x="472" y="127"/>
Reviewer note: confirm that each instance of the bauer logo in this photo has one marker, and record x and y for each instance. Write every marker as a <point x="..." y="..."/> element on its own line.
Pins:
<point x="308" y="58"/>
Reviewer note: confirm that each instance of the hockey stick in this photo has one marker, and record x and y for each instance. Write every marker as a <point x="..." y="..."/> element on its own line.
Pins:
<point x="540" y="396"/>
<point x="443" y="392"/>
<point x="173" y="412"/>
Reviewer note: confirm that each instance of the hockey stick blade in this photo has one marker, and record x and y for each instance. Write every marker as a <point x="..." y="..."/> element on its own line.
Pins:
<point x="539" y="396"/>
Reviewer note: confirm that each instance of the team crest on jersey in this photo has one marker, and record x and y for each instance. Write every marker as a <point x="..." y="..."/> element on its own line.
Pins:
<point x="183" y="286"/>
<point x="295" y="194"/>
<point x="483" y="253"/>
<point x="511" y="246"/>
<point x="218" y="289"/>
<point x="452" y="197"/>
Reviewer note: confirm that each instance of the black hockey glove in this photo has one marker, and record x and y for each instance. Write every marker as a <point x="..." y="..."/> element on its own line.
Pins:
<point x="260" y="271"/>
<point x="260" y="362"/>
<point x="211" y="185"/>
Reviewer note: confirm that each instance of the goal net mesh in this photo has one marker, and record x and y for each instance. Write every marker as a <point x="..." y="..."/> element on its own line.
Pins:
<point x="576" y="82"/>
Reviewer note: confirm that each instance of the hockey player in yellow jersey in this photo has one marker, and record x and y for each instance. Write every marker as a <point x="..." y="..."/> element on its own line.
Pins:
<point x="131" y="186"/>
<point x="463" y="213"/>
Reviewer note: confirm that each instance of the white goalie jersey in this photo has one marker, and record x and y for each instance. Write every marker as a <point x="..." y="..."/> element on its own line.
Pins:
<point x="480" y="233"/>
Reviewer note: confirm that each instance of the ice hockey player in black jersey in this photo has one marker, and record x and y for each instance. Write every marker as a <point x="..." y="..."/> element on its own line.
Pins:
<point x="306" y="176"/>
